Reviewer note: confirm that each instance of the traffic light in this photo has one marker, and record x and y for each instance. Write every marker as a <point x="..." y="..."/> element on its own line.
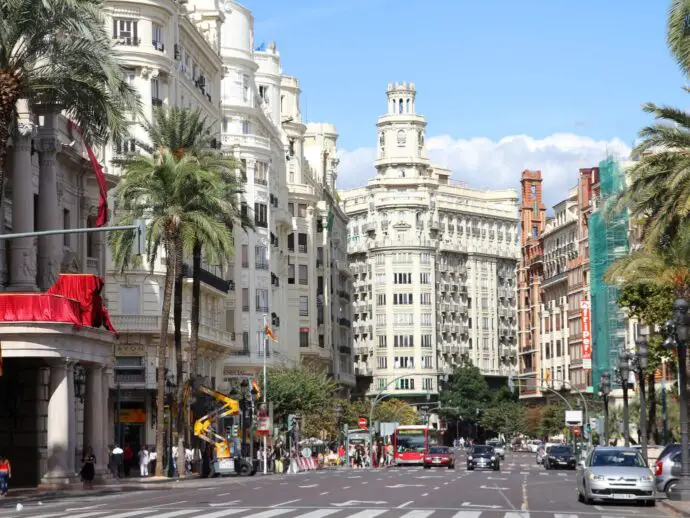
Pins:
<point x="235" y="430"/>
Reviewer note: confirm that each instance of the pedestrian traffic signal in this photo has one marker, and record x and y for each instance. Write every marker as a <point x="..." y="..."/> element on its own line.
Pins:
<point x="235" y="430"/>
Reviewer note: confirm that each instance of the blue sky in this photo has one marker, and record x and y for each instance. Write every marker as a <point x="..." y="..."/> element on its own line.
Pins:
<point x="543" y="84"/>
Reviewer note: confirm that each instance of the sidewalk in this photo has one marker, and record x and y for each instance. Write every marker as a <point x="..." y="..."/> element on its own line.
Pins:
<point x="676" y="507"/>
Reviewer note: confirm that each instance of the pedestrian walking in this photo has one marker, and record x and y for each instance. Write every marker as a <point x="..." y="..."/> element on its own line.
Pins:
<point x="144" y="459"/>
<point x="88" y="468"/>
<point x="5" y="475"/>
<point x="118" y="454"/>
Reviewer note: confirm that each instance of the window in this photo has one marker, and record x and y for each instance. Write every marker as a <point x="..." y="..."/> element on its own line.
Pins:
<point x="301" y="210"/>
<point x="405" y="384"/>
<point x="129" y="300"/>
<point x="245" y="299"/>
<point x="66" y="225"/>
<point x="245" y="128"/>
<point x="425" y="299"/>
<point x="291" y="274"/>
<point x="245" y="87"/>
<point x="404" y="362"/>
<point x="426" y="341"/>
<point x="263" y="93"/>
<point x="380" y="259"/>
<point x="381" y="362"/>
<point x="303" y="306"/>
<point x="303" y="275"/>
<point x="302" y="243"/>
<point x="261" y="215"/>
<point x="402" y="278"/>
<point x="426" y="319"/>
<point x="262" y="300"/>
<point x="403" y="319"/>
<point x="427" y="362"/>
<point x="291" y="242"/>
<point x="291" y="209"/>
<point x="261" y="257"/>
<point x="245" y="256"/>
<point x="125" y="31"/>
<point x="425" y="278"/>
<point x="402" y="298"/>
<point x="427" y="383"/>
<point x="261" y="173"/>
<point x="403" y="341"/>
<point x="425" y="258"/>
<point x="381" y="320"/>
<point x="381" y="299"/>
<point x="303" y="337"/>
<point x="382" y="341"/>
<point x="155" y="92"/>
<point x="157" y="37"/>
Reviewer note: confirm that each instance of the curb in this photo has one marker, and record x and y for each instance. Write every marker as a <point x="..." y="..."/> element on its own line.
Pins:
<point x="668" y="505"/>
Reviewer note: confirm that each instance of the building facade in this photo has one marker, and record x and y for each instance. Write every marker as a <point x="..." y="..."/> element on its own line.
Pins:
<point x="56" y="369"/>
<point x="434" y="266"/>
<point x="171" y="52"/>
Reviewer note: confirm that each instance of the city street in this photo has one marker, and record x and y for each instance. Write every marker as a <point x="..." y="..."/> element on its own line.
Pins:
<point x="520" y="490"/>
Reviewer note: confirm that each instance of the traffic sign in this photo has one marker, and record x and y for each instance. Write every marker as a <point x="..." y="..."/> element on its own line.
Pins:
<point x="362" y="423"/>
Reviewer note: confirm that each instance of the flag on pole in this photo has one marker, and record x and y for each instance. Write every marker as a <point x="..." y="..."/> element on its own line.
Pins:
<point x="269" y="333"/>
<point x="102" y="217"/>
<point x="255" y="386"/>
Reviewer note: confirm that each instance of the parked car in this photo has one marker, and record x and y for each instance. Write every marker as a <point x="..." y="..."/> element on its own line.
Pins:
<point x="498" y="446"/>
<point x="483" y="456"/>
<point x="559" y="456"/>
<point x="615" y="474"/>
<point x="667" y="469"/>
<point x="439" y="456"/>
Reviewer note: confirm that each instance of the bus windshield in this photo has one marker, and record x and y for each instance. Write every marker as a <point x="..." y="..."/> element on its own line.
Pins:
<point x="411" y="443"/>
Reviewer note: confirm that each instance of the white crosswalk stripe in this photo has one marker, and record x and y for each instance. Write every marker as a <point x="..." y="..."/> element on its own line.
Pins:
<point x="219" y="514"/>
<point x="368" y="513"/>
<point x="269" y="513"/>
<point x="467" y="514"/>
<point x="418" y="514"/>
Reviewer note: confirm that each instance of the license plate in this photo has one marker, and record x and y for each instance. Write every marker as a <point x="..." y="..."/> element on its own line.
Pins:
<point x="436" y="461"/>
<point x="226" y="464"/>
<point x="625" y="497"/>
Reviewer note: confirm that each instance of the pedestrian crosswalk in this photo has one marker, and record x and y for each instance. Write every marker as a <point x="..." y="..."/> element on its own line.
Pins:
<point x="327" y="512"/>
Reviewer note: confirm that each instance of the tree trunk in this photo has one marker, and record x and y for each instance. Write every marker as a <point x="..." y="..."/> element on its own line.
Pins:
<point x="177" y="317"/>
<point x="651" y="398"/>
<point x="196" y="307"/>
<point x="162" y="353"/>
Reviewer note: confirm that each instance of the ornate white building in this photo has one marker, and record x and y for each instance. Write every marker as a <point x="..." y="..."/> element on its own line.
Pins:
<point x="171" y="51"/>
<point x="433" y="262"/>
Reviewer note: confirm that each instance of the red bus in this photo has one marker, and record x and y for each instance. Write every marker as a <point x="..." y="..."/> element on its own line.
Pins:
<point x="410" y="443"/>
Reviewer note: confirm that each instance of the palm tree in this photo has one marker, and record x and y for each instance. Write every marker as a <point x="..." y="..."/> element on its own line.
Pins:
<point x="58" y="53"/>
<point x="678" y="32"/>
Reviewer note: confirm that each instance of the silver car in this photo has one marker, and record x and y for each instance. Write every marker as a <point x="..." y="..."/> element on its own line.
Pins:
<point x="499" y="448"/>
<point x="615" y="474"/>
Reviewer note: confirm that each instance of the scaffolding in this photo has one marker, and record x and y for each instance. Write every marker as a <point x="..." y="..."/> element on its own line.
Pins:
<point x="608" y="240"/>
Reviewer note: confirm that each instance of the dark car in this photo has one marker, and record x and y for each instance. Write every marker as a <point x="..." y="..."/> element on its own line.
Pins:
<point x="483" y="457"/>
<point x="560" y="457"/>
<point x="439" y="456"/>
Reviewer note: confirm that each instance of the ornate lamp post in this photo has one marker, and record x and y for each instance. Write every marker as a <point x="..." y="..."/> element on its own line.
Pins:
<point x="604" y="391"/>
<point x="678" y="330"/>
<point x="338" y="412"/>
<point x="641" y="361"/>
<point x="624" y="374"/>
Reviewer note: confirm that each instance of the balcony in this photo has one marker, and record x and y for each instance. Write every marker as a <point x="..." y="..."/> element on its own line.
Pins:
<point x="364" y="370"/>
<point x="344" y="349"/>
<point x="362" y="348"/>
<point x="155" y="101"/>
<point x="250" y="141"/>
<point x="158" y="45"/>
<point x="152" y="324"/>
<point x="344" y="322"/>
<point x="130" y="378"/>
<point x="346" y="378"/>
<point x="208" y="278"/>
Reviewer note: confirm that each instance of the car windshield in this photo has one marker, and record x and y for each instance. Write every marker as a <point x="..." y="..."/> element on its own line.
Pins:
<point x="438" y="449"/>
<point x="615" y="458"/>
<point x="483" y="449"/>
<point x="410" y="443"/>
<point x="561" y="450"/>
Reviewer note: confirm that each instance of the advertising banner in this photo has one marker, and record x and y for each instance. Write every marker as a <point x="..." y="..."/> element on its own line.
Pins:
<point x="263" y="421"/>
<point x="586" y="336"/>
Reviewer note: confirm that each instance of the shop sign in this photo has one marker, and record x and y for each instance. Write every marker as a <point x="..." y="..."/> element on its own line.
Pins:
<point x="132" y="416"/>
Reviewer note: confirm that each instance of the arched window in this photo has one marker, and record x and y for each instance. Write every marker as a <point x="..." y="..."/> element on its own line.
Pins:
<point x="407" y="106"/>
<point x="401" y="105"/>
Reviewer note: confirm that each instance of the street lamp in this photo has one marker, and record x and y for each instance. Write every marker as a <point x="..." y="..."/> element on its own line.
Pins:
<point x="641" y="362"/>
<point x="338" y="412"/>
<point x="604" y="391"/>
<point x="624" y="373"/>
<point x="169" y="393"/>
<point x="678" y="330"/>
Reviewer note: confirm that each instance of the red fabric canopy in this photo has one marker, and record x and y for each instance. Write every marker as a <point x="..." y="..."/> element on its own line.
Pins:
<point x="74" y="298"/>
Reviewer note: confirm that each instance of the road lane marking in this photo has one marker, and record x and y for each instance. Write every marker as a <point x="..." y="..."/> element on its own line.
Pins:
<point x="221" y="514"/>
<point x="307" y="487"/>
<point x="320" y="513"/>
<point x="286" y="503"/>
<point x="425" y="494"/>
<point x="324" y="493"/>
<point x="173" y="514"/>
<point x="417" y="514"/>
<point x="347" y="487"/>
<point x="170" y="503"/>
<point x="467" y="514"/>
<point x="223" y="494"/>
<point x="512" y="515"/>
<point x="225" y="504"/>
<point x="402" y="506"/>
<point x="88" y="508"/>
<point x="565" y="515"/>
<point x="367" y="513"/>
<point x="87" y="515"/>
<point x="269" y="513"/>
<point x="128" y="514"/>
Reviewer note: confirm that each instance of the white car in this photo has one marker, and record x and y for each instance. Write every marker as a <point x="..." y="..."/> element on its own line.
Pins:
<point x="499" y="448"/>
<point x="534" y="445"/>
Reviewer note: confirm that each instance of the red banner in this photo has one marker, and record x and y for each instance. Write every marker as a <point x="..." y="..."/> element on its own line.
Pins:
<point x="586" y="336"/>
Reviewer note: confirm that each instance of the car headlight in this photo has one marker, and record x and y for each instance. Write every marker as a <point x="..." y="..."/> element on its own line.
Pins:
<point x="593" y="476"/>
<point x="493" y="458"/>
<point x="647" y="478"/>
<point x="469" y="457"/>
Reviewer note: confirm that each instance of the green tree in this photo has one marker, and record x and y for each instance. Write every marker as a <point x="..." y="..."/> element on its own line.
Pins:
<point x="396" y="411"/>
<point x="507" y="417"/>
<point x="677" y="33"/>
<point x="466" y="392"/>
<point x="552" y="420"/>
<point x="59" y="53"/>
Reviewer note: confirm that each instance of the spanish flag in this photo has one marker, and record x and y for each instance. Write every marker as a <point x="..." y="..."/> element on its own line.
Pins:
<point x="269" y="333"/>
<point x="255" y="386"/>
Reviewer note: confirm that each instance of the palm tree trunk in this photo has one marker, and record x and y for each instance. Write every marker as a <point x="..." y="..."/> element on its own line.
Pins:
<point x="196" y="307"/>
<point x="177" y="318"/>
<point x="162" y="353"/>
<point x="651" y="398"/>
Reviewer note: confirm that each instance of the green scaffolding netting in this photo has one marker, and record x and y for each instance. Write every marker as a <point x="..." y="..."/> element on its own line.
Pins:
<point x="608" y="240"/>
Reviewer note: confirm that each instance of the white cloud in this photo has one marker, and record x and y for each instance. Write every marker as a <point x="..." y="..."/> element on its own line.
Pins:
<point x="484" y="163"/>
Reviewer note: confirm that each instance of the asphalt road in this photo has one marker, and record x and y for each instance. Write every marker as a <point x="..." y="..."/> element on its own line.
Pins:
<point x="520" y="490"/>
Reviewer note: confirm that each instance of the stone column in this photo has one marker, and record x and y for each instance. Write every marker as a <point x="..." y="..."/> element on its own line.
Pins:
<point x="23" y="267"/>
<point x="94" y="434"/>
<point x="49" y="247"/>
<point x="61" y="431"/>
<point x="105" y="414"/>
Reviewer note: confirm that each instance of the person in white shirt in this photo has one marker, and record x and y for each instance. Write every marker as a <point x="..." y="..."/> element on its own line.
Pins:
<point x="144" y="460"/>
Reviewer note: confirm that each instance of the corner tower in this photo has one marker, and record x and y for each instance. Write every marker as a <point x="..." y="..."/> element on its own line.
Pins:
<point x="401" y="152"/>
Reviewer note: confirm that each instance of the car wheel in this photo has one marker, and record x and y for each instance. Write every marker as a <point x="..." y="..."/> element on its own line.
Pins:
<point x="451" y="466"/>
<point x="651" y="503"/>
<point x="469" y="468"/>
<point x="670" y="488"/>
<point x="586" y="499"/>
<point x="580" y="497"/>
<point x="245" y="470"/>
